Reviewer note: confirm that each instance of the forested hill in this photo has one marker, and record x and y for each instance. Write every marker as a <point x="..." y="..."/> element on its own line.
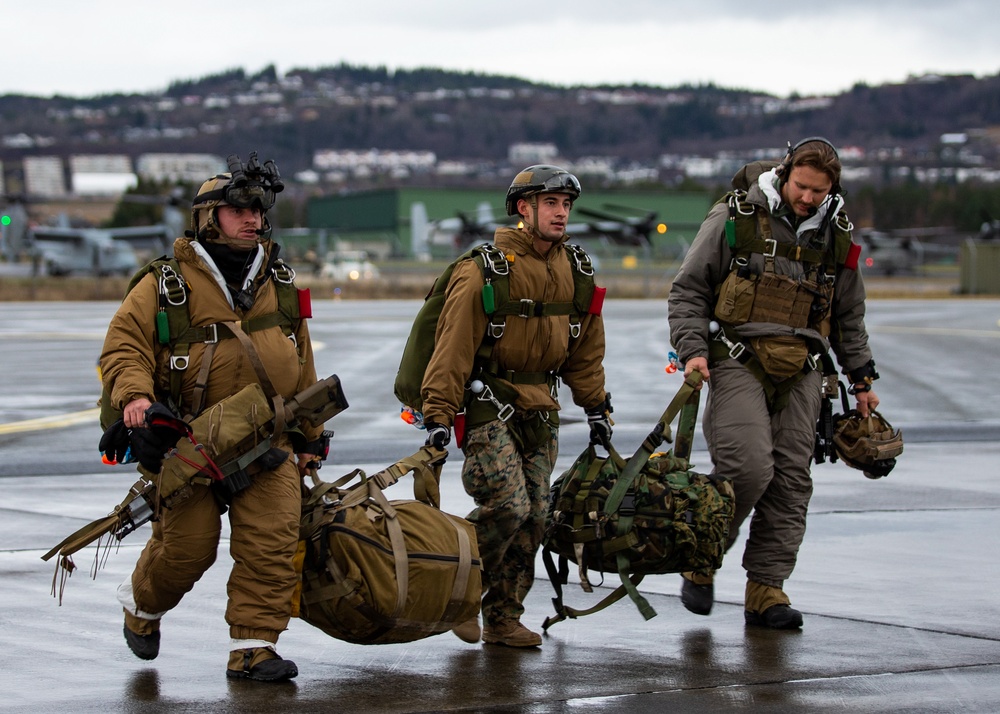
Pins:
<point x="476" y="117"/>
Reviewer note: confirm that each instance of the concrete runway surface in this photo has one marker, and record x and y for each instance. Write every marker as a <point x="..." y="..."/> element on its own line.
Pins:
<point x="898" y="578"/>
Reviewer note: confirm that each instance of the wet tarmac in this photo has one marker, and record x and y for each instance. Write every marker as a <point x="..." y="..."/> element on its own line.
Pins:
<point x="897" y="578"/>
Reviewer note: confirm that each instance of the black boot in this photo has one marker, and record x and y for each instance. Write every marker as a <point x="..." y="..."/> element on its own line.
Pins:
<point x="778" y="617"/>
<point x="697" y="598"/>
<point x="272" y="668"/>
<point x="143" y="646"/>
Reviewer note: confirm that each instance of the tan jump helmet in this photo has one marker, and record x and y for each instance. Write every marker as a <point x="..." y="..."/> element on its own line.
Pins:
<point x="246" y="186"/>
<point x="542" y="178"/>
<point x="868" y="444"/>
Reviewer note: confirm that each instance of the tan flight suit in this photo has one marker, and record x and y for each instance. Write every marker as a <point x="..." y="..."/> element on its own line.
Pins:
<point x="768" y="456"/>
<point x="264" y="518"/>
<point x="509" y="484"/>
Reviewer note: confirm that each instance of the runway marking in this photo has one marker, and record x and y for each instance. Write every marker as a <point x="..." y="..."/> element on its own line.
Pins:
<point x="51" y="422"/>
<point x="947" y="331"/>
<point x="27" y="335"/>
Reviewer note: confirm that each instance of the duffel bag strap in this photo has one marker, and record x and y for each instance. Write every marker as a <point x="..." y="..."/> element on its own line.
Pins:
<point x="426" y="467"/>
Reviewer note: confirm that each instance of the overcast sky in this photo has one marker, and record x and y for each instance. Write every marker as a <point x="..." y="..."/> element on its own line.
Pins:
<point x="108" y="46"/>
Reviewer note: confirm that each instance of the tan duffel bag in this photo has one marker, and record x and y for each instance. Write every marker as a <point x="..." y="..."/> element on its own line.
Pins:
<point x="376" y="571"/>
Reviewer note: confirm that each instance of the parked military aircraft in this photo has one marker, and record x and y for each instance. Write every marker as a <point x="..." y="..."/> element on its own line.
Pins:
<point x="904" y="251"/>
<point x="625" y="229"/>
<point x="64" y="250"/>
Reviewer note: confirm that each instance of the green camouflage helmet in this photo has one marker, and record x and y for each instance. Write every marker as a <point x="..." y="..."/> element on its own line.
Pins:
<point x="542" y="178"/>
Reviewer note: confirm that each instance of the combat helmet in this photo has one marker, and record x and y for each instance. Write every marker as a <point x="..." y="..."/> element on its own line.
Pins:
<point x="542" y="178"/>
<point x="869" y="444"/>
<point x="246" y="186"/>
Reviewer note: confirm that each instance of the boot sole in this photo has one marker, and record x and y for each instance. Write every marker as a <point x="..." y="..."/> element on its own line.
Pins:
<point x="508" y="643"/>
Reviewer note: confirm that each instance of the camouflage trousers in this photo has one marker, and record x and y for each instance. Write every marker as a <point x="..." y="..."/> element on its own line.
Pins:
<point x="511" y="491"/>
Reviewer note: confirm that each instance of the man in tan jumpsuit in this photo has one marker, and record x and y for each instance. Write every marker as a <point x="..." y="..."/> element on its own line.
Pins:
<point x="508" y="461"/>
<point x="227" y="262"/>
<point x="769" y="283"/>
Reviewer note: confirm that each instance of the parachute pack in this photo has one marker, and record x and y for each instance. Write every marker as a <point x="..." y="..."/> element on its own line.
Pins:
<point x="650" y="515"/>
<point x="495" y="266"/>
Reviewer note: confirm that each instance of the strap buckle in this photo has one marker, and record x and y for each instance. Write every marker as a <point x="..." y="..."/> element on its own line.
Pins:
<point x="772" y="247"/>
<point x="179" y="363"/>
<point x="574" y="329"/>
<point x="495" y="259"/>
<point x="283" y="273"/>
<point x="171" y="286"/>
<point x="504" y="411"/>
<point x="495" y="330"/>
<point x="211" y="334"/>
<point x="527" y="307"/>
<point x="584" y="265"/>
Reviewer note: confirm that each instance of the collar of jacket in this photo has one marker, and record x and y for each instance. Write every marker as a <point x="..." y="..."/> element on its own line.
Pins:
<point x="521" y="242"/>
<point x="190" y="251"/>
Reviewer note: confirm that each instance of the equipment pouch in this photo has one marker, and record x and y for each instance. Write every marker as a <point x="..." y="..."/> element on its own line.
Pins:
<point x="237" y="428"/>
<point x="735" y="299"/>
<point x="781" y="300"/>
<point x="781" y="355"/>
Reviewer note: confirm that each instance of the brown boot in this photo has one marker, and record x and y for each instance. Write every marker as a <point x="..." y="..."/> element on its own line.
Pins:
<point x="469" y="631"/>
<point x="511" y="634"/>
<point x="261" y="664"/>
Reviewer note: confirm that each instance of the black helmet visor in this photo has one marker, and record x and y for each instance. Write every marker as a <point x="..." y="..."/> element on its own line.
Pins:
<point x="561" y="183"/>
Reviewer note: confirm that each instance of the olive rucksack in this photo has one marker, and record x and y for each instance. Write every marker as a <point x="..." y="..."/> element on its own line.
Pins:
<point x="649" y="515"/>
<point x="587" y="298"/>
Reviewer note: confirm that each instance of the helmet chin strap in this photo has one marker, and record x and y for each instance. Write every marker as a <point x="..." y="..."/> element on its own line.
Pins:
<point x="533" y="227"/>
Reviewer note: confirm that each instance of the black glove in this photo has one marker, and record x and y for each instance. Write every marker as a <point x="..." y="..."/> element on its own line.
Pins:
<point x="438" y="435"/>
<point x="148" y="448"/>
<point x="320" y="448"/>
<point x="163" y="431"/>
<point x="599" y="419"/>
<point x="115" y="443"/>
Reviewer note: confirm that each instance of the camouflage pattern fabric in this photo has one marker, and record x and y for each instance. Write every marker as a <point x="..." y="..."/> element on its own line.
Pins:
<point x="511" y="492"/>
<point x="680" y="523"/>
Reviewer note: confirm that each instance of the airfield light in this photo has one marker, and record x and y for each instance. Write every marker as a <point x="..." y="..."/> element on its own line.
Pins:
<point x="869" y="262"/>
<point x="5" y="220"/>
<point x="661" y="228"/>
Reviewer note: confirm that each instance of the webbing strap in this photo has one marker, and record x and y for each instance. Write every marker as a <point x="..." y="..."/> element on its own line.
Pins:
<point x="660" y="433"/>
<point x="531" y="308"/>
<point x="461" y="582"/>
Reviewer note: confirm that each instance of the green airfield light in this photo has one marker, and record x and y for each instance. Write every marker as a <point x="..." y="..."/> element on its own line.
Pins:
<point x="5" y="220"/>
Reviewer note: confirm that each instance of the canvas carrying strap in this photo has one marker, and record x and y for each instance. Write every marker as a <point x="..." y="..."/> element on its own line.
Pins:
<point x="425" y="465"/>
<point x="622" y="500"/>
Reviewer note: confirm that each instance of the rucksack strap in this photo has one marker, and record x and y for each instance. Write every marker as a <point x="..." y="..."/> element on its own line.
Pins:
<point x="622" y="496"/>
